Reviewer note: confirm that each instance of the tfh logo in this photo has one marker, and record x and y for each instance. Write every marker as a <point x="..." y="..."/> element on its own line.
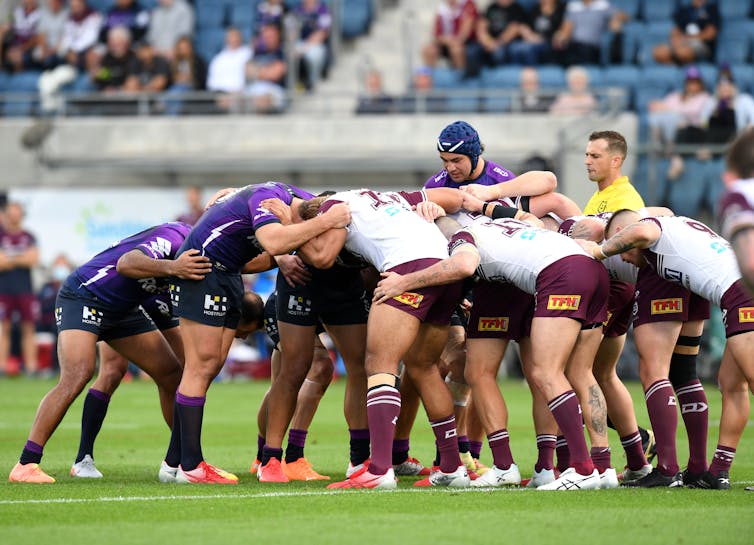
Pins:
<point x="666" y="306"/>
<point x="499" y="323"/>
<point x="563" y="302"/>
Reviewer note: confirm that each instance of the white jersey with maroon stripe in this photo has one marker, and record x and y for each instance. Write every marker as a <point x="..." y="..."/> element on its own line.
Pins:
<point x="466" y="217"/>
<point x="620" y="270"/>
<point x="516" y="252"/>
<point x="385" y="231"/>
<point x="693" y="255"/>
<point x="737" y="207"/>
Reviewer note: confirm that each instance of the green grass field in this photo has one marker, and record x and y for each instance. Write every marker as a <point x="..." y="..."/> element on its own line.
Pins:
<point x="130" y="506"/>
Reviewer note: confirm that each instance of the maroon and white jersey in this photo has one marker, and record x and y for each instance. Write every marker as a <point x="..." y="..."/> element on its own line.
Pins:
<point x="693" y="255"/>
<point x="515" y="252"/>
<point x="385" y="231"/>
<point x="736" y="208"/>
<point x="466" y="217"/>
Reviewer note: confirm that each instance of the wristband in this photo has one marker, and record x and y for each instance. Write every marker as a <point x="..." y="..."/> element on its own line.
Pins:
<point x="484" y="208"/>
<point x="604" y="255"/>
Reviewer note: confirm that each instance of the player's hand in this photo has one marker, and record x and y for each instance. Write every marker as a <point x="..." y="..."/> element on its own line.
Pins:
<point x="279" y="208"/>
<point x="339" y="215"/>
<point x="592" y="248"/>
<point x="6" y="263"/>
<point x="293" y="270"/>
<point x="472" y="203"/>
<point x="429" y="211"/>
<point x="190" y="265"/>
<point x="466" y="306"/>
<point x="390" y="286"/>
<point x="531" y="219"/>
<point x="219" y="195"/>
<point x="483" y="192"/>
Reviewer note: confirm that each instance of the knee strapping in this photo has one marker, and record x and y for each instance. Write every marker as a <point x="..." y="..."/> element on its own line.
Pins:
<point x="383" y="379"/>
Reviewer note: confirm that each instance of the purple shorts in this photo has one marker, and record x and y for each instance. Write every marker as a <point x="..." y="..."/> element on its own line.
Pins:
<point x="620" y="306"/>
<point x="658" y="300"/>
<point x="575" y="287"/>
<point x="500" y="311"/>
<point x="25" y="304"/>
<point x="738" y="310"/>
<point x="435" y="304"/>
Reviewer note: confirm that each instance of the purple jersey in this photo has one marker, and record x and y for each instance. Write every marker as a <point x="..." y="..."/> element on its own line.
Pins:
<point x="16" y="281"/>
<point x="99" y="277"/>
<point x="225" y="233"/>
<point x="493" y="174"/>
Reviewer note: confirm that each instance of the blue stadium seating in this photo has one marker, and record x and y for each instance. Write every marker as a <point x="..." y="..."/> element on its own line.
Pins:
<point x="551" y="77"/>
<point x="209" y="41"/>
<point x="446" y="78"/>
<point x="356" y="16"/>
<point x="633" y="32"/>
<point x="655" y="33"/>
<point x="657" y="10"/>
<point x="661" y="76"/>
<point x="24" y="82"/>
<point x="4" y="77"/>
<point x="623" y="76"/>
<point x="465" y="103"/>
<point x="733" y="10"/>
<point x="743" y="74"/>
<point x="242" y="14"/>
<point x="630" y="7"/>
<point x="100" y="5"/>
<point x="651" y="180"/>
<point x="501" y="77"/>
<point x="209" y="14"/>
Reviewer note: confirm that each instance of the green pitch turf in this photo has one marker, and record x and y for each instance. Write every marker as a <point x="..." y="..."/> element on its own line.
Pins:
<point x="130" y="506"/>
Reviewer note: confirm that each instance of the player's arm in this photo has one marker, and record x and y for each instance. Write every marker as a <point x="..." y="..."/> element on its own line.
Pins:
<point x="555" y="203"/>
<point x="262" y="262"/>
<point x="190" y="265"/>
<point x="743" y="246"/>
<point x="528" y="184"/>
<point x="278" y="239"/>
<point x="449" y="198"/>
<point x="28" y="259"/>
<point x="322" y="250"/>
<point x="461" y="264"/>
<point x="641" y="234"/>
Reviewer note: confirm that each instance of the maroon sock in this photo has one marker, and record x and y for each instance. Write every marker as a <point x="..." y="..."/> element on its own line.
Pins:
<point x="722" y="459"/>
<point x="663" y="413"/>
<point x="499" y="442"/>
<point x="545" y="451"/>
<point x="383" y="407"/>
<point x="695" y="414"/>
<point x="600" y="458"/>
<point x="446" y="439"/>
<point x="635" y="458"/>
<point x="567" y="412"/>
<point x="564" y="455"/>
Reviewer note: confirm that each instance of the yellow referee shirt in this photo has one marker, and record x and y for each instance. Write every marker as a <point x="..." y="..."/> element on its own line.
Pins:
<point x="617" y="196"/>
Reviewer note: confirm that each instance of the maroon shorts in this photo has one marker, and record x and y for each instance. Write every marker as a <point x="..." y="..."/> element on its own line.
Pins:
<point x="620" y="308"/>
<point x="738" y="310"/>
<point x="500" y="311"/>
<point x="25" y="304"/>
<point x="658" y="300"/>
<point x="435" y="304"/>
<point x="575" y="287"/>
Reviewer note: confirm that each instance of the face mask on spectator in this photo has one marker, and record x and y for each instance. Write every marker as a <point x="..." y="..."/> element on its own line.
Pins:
<point x="60" y="273"/>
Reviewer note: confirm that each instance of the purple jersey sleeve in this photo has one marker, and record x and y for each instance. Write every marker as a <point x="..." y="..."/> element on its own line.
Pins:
<point x="163" y="241"/>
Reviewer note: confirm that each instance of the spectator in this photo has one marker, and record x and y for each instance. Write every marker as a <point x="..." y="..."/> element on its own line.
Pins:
<point x="50" y="33"/>
<point x="728" y="112"/>
<point x="129" y="14"/>
<point x="195" y="206"/>
<point x="188" y="73"/>
<point x="544" y="20"/>
<point x="171" y="20"/>
<point x="498" y="29"/>
<point x="530" y="97"/>
<point x="315" y="21"/>
<point x="18" y="256"/>
<point x="59" y="270"/>
<point x="118" y="63"/>
<point x="76" y="52"/>
<point x="578" y="99"/>
<point x="694" y="34"/>
<point x="18" y="39"/>
<point x="374" y="99"/>
<point x="579" y="39"/>
<point x="454" y="31"/>
<point x="422" y="96"/>
<point x="227" y="69"/>
<point x="266" y="71"/>
<point x="270" y="11"/>
<point x="151" y="72"/>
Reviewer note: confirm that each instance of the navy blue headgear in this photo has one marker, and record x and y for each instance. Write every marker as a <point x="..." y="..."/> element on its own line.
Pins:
<point x="460" y="137"/>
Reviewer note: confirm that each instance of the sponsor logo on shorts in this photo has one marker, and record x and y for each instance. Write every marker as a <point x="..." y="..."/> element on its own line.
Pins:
<point x="493" y="323"/>
<point x="164" y="309"/>
<point x="410" y="299"/>
<point x="299" y="306"/>
<point x="91" y="316"/>
<point x="563" y="302"/>
<point x="746" y="315"/>
<point x="666" y="306"/>
<point x="609" y="315"/>
<point x="175" y="294"/>
<point x="58" y="315"/>
<point x="215" y="305"/>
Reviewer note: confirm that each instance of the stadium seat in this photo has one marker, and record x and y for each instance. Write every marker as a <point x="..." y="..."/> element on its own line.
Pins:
<point x="101" y="5"/>
<point x="650" y="179"/>
<point x="709" y="74"/>
<point x="446" y="78"/>
<point x="661" y="76"/>
<point x="646" y="93"/>
<point x="623" y="76"/>
<point x="744" y="76"/>
<point x="596" y="75"/>
<point x="4" y="77"/>
<point x="630" y="7"/>
<point x="496" y="104"/>
<point x="734" y="42"/>
<point x="501" y="77"/>
<point x="551" y="77"/>
<point x="356" y="16"/>
<point x="633" y="32"/>
<point x="733" y="10"/>
<point x="209" y="15"/>
<point x="24" y="86"/>
<point x="655" y="33"/>
<point x="242" y="15"/>
<point x="465" y="97"/>
<point x="208" y="42"/>
<point x="685" y="195"/>
<point x="657" y="10"/>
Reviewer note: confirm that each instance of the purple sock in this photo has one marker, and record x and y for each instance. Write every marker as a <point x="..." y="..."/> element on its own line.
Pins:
<point x="663" y="413"/>
<point x="268" y="453"/>
<point x="695" y="414"/>
<point x="92" y="417"/>
<point x="400" y="451"/>
<point x="190" y="416"/>
<point x="545" y="451"/>
<point x="566" y="410"/>
<point x="475" y="448"/>
<point x="260" y="446"/>
<point x="32" y="453"/>
<point x="446" y="439"/>
<point x="499" y="442"/>
<point x="600" y="458"/>
<point x="383" y="408"/>
<point x="359" y="445"/>
<point x="722" y="459"/>
<point x="296" y="443"/>
<point x="564" y="455"/>
<point x="635" y="458"/>
<point x="463" y="443"/>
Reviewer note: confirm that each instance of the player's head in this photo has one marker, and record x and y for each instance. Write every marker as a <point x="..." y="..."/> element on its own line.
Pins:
<point x="739" y="160"/>
<point x="619" y="220"/>
<point x="310" y="208"/>
<point x="589" y="228"/>
<point x="605" y="153"/>
<point x="459" y="138"/>
<point x="252" y="315"/>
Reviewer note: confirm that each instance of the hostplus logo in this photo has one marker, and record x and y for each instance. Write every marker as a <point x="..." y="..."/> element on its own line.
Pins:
<point x="91" y="316"/>
<point x="175" y="294"/>
<point x="299" y="306"/>
<point x="215" y="305"/>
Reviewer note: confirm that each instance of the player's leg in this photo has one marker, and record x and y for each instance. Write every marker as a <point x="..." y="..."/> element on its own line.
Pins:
<point x="452" y="365"/>
<point x="403" y="464"/>
<point x="77" y="356"/>
<point x="29" y="350"/>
